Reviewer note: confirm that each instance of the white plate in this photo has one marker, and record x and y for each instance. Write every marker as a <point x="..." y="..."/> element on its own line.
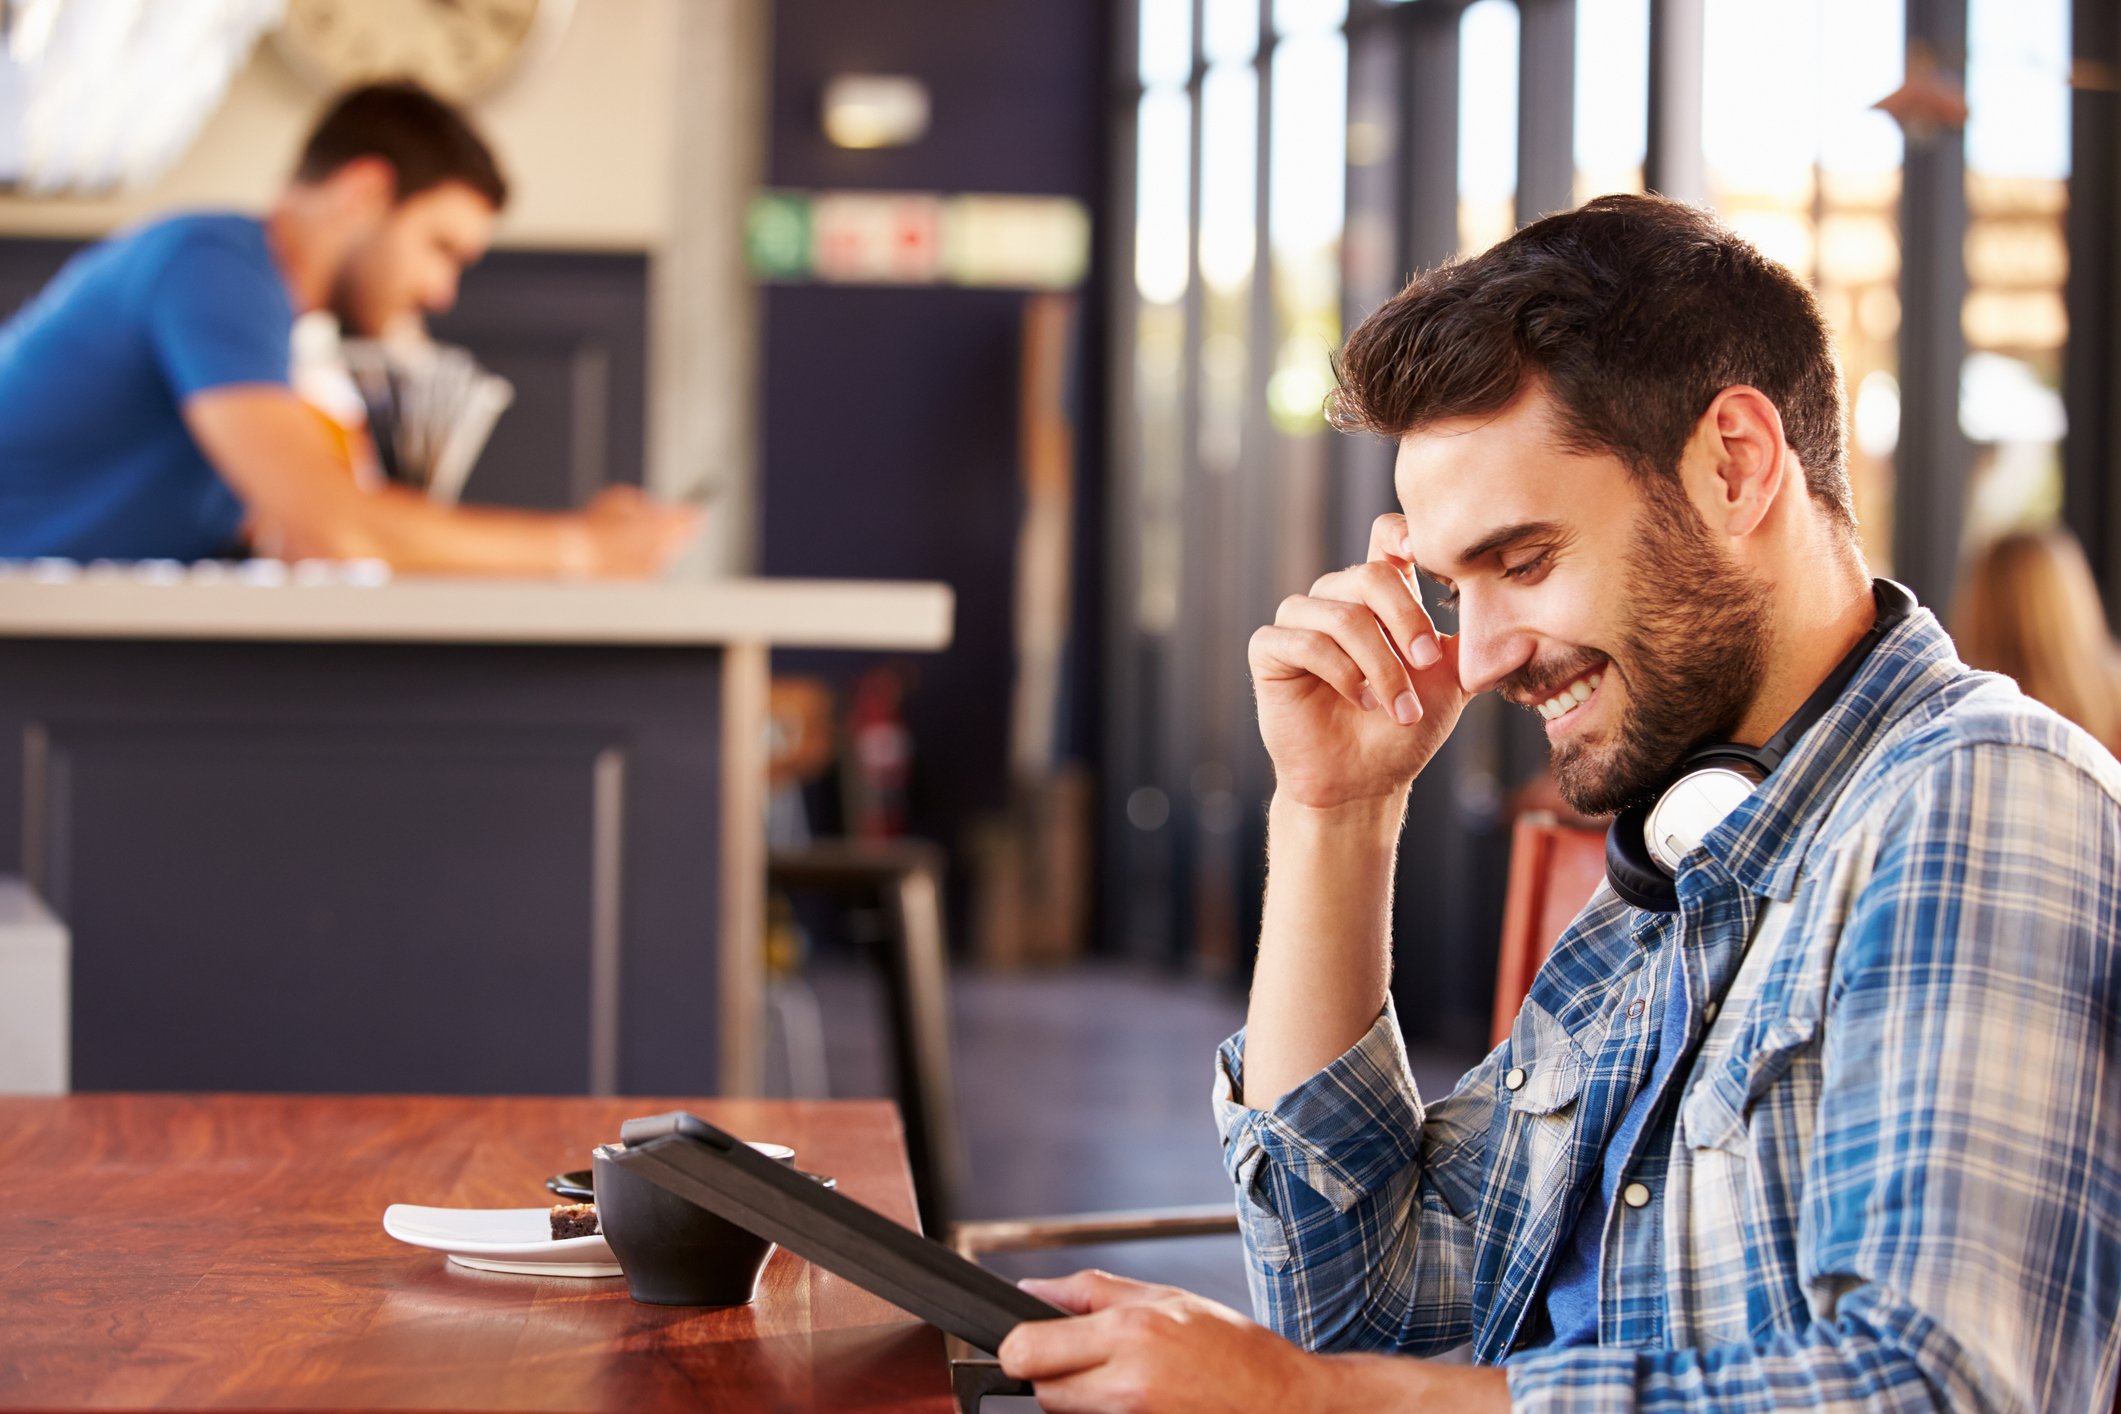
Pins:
<point x="501" y="1240"/>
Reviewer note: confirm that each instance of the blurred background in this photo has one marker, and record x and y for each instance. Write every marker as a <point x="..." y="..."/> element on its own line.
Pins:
<point x="1037" y="300"/>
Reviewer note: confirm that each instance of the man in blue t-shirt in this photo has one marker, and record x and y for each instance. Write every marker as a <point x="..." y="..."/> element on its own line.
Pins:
<point x="145" y="404"/>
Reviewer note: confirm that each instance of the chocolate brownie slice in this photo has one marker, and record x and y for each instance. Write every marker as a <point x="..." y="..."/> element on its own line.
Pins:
<point x="573" y="1220"/>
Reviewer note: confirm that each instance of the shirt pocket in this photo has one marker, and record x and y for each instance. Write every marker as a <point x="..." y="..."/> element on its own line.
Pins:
<point x="1540" y="1088"/>
<point x="1775" y="1022"/>
<point x="1720" y="1102"/>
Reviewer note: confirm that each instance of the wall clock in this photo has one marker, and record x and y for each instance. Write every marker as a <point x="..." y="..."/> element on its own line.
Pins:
<point x="458" y="49"/>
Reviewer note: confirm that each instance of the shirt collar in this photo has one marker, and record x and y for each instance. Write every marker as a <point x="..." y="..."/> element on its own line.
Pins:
<point x="1762" y="843"/>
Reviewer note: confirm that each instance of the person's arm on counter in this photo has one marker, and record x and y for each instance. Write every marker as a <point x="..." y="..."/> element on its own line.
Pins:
<point x="275" y="454"/>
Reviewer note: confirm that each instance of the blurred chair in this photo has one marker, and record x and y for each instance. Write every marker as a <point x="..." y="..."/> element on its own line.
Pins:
<point x="907" y="876"/>
<point x="916" y="966"/>
<point x="1554" y="869"/>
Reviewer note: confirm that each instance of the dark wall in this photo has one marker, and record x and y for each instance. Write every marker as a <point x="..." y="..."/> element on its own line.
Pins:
<point x="362" y="867"/>
<point x="570" y="330"/>
<point x="889" y="432"/>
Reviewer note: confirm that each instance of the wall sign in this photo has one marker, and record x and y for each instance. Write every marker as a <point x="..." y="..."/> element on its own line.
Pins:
<point x="918" y="238"/>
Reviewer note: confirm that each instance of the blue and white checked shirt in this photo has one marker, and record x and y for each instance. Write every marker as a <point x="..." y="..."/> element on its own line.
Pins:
<point x="1892" y="1177"/>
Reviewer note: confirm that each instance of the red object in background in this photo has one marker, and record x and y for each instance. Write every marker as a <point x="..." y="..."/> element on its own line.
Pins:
<point x="1555" y="867"/>
<point x="888" y="238"/>
<point x="881" y="755"/>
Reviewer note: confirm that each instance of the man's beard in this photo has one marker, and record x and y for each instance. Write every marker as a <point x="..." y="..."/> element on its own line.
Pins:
<point x="1692" y="652"/>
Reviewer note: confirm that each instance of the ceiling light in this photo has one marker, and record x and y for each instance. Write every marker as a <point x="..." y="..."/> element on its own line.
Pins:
<point x="875" y="110"/>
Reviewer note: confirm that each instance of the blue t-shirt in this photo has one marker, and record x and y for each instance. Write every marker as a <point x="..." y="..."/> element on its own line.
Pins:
<point x="1572" y="1284"/>
<point x="95" y="459"/>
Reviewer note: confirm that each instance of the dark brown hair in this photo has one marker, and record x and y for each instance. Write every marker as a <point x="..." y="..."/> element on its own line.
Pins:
<point x="1635" y="312"/>
<point x="425" y="141"/>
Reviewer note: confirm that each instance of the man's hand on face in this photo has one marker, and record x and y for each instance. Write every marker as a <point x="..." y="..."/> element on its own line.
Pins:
<point x="1132" y="1346"/>
<point x="1356" y="688"/>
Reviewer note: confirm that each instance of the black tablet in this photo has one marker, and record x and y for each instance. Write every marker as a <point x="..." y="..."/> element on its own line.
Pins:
<point x="726" y="1176"/>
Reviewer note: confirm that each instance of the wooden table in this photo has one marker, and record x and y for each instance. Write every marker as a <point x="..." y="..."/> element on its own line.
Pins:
<point x="196" y="1252"/>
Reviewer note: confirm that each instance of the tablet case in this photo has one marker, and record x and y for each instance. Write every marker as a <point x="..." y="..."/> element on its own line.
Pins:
<point x="721" y="1173"/>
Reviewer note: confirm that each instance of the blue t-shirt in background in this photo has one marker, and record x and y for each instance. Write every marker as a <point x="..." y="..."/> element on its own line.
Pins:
<point x="95" y="459"/>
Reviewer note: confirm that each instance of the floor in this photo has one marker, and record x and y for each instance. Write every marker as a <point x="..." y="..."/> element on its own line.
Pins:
<point x="1081" y="1091"/>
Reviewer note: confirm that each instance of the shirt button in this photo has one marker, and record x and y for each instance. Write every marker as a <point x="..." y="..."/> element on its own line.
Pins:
<point x="1708" y="1013"/>
<point x="1635" y="1195"/>
<point x="1515" y="1079"/>
<point x="1634" y="1009"/>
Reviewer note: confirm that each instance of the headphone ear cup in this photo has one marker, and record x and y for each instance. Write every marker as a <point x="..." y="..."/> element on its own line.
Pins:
<point x="1629" y="868"/>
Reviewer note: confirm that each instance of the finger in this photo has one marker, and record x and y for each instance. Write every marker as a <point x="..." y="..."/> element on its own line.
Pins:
<point x="1390" y="593"/>
<point x="1094" y="1290"/>
<point x="1071" y="1293"/>
<point x="1278" y="653"/>
<point x="1041" y="1350"/>
<point x="1388" y="539"/>
<point x="620" y="494"/>
<point x="1360" y="633"/>
<point x="1091" y="1391"/>
<point x="676" y="530"/>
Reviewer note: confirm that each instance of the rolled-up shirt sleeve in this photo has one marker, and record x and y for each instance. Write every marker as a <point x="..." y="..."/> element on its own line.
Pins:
<point x="1355" y="1200"/>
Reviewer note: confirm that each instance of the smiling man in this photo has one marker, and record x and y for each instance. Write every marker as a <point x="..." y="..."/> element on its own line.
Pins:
<point x="1818" y="1105"/>
<point x="145" y="405"/>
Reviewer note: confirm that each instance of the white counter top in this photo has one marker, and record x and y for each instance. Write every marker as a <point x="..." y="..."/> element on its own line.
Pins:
<point x="778" y="612"/>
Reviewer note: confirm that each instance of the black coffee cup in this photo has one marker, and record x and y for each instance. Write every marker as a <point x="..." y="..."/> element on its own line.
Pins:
<point x="674" y="1252"/>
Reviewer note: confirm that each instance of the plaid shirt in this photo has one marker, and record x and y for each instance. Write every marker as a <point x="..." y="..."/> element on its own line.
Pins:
<point x="1890" y="1180"/>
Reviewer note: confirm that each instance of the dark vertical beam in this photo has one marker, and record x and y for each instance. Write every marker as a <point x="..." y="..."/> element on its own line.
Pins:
<point x="1673" y="164"/>
<point x="1260" y="462"/>
<point x="1546" y="183"/>
<point x="1546" y="108"/>
<point x="1256" y="438"/>
<point x="1935" y="459"/>
<point x="1403" y="66"/>
<point x="1359" y="481"/>
<point x="1128" y="725"/>
<point x="2091" y="366"/>
<point x="1437" y="947"/>
<point x="1180" y="656"/>
<point x="1429" y="133"/>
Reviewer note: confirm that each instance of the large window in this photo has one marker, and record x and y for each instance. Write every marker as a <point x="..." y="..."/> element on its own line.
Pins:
<point x="2017" y="170"/>
<point x="1812" y="177"/>
<point x="1239" y="112"/>
<point x="1487" y="123"/>
<point x="1298" y="160"/>
<point x="1612" y="95"/>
